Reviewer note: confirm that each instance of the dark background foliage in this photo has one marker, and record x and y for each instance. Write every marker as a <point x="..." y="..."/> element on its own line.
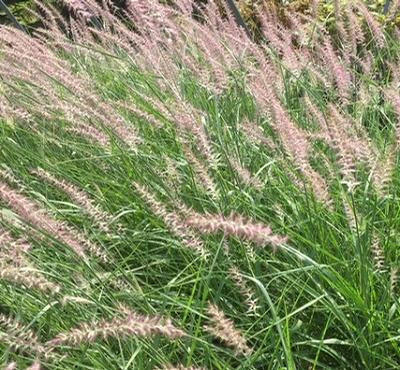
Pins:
<point x="20" y="8"/>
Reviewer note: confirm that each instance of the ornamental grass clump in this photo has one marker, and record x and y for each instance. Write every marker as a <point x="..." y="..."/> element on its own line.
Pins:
<point x="156" y="157"/>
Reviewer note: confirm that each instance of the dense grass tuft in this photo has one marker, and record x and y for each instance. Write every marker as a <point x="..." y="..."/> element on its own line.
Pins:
<point x="174" y="194"/>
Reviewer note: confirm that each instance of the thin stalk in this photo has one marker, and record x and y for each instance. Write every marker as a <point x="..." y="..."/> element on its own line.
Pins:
<point x="386" y="6"/>
<point x="11" y="16"/>
<point x="238" y="17"/>
<point x="285" y="341"/>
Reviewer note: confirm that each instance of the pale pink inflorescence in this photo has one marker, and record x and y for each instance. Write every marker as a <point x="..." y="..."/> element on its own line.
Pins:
<point x="17" y="269"/>
<point x="190" y="122"/>
<point x="172" y="219"/>
<point x="12" y="249"/>
<point x="171" y="175"/>
<point x="29" y="277"/>
<point x="394" y="279"/>
<point x="351" y="215"/>
<point x="181" y="367"/>
<point x="80" y="8"/>
<point x="31" y="213"/>
<point x="35" y="366"/>
<point x="128" y="324"/>
<point x="102" y="218"/>
<point x="383" y="171"/>
<point x="350" y="141"/>
<point x="314" y="8"/>
<point x="393" y="10"/>
<point x="250" y="299"/>
<point x="339" y="71"/>
<point x="19" y="337"/>
<point x="355" y="28"/>
<point x="256" y="135"/>
<point x="224" y="329"/>
<point x="141" y="113"/>
<point x="45" y="68"/>
<point x="294" y="140"/>
<point x="201" y="171"/>
<point x="372" y="23"/>
<point x="237" y="226"/>
<point x="7" y="174"/>
<point x="91" y="133"/>
<point x="244" y="174"/>
<point x="378" y="255"/>
<point x="11" y="366"/>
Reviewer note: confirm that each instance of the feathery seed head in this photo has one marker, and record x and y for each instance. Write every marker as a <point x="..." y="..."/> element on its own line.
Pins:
<point x="236" y="226"/>
<point x="224" y="329"/>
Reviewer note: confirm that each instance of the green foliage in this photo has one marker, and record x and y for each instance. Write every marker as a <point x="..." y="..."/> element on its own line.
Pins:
<point x="20" y="9"/>
<point x="323" y="300"/>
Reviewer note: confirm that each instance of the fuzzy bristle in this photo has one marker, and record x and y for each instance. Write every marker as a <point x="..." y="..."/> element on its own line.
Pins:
<point x="236" y="226"/>
<point x="224" y="329"/>
<point x="130" y="323"/>
<point x="378" y="255"/>
<point x="250" y="300"/>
